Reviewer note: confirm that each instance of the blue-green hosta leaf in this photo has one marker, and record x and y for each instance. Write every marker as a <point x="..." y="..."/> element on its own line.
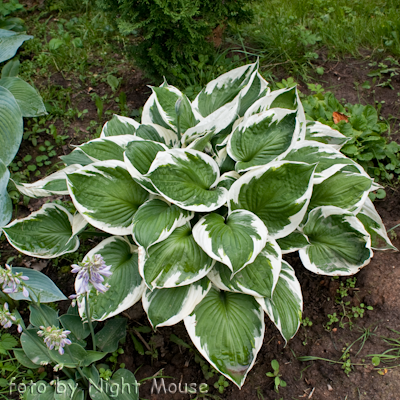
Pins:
<point x="40" y="284"/>
<point x="228" y="330"/>
<point x="339" y="243"/>
<point x="374" y="226"/>
<point x="106" y="195"/>
<point x="10" y="42"/>
<point x="218" y="123"/>
<point x="176" y="261"/>
<point x="156" y="220"/>
<point x="343" y="189"/>
<point x="256" y="279"/>
<point x="54" y="184"/>
<point x="11" y="68"/>
<point x="188" y="178"/>
<point x="263" y="138"/>
<point x="287" y="98"/>
<point x="255" y="89"/>
<point x="166" y="307"/>
<point x="286" y="306"/>
<point x="138" y="156"/>
<point x="119" y="125"/>
<point x="126" y="284"/>
<point x="11" y="126"/>
<point x="40" y="390"/>
<point x="292" y="242"/>
<point x="322" y="133"/>
<point x="157" y="133"/>
<point x="277" y="193"/>
<point x="328" y="160"/>
<point x="46" y="233"/>
<point x="107" y="148"/>
<point x="223" y="89"/>
<point x="28" y="99"/>
<point x="235" y="242"/>
<point x="160" y="109"/>
<point x="5" y="201"/>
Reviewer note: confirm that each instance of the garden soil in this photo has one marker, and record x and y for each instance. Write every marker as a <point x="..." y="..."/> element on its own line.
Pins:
<point x="377" y="286"/>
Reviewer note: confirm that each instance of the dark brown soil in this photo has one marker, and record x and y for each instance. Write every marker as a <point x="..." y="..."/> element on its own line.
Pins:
<point x="377" y="285"/>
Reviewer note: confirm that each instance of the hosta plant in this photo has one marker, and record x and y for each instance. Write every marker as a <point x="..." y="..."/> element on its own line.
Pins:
<point x="201" y="200"/>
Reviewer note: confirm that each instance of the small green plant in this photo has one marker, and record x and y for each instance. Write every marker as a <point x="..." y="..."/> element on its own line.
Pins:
<point x="221" y="384"/>
<point x="278" y="381"/>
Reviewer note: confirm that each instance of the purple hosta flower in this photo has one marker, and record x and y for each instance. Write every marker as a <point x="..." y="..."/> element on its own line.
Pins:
<point x="8" y="319"/>
<point x="12" y="282"/>
<point x="92" y="271"/>
<point x="54" y="338"/>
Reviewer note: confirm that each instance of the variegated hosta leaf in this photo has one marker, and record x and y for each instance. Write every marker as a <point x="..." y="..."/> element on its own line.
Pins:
<point x="228" y="330"/>
<point x="255" y="89"/>
<point x="5" y="201"/>
<point x="343" y="189"/>
<point x="138" y="157"/>
<point x="219" y="123"/>
<point x="292" y="242"/>
<point x="235" y="242"/>
<point x="188" y="178"/>
<point x="107" y="148"/>
<point x="339" y="243"/>
<point x="119" y="125"/>
<point x="155" y="220"/>
<point x="228" y="179"/>
<point x="77" y="156"/>
<point x="256" y="279"/>
<point x="54" y="184"/>
<point x="166" y="307"/>
<point x="322" y="133"/>
<point x="374" y="226"/>
<point x="284" y="98"/>
<point x="263" y="138"/>
<point x="161" y="109"/>
<point x="157" y="133"/>
<point x="126" y="284"/>
<point x="11" y="126"/>
<point x="176" y="261"/>
<point x="278" y="193"/>
<point x="106" y="195"/>
<point x="328" y="160"/>
<point x="286" y="306"/>
<point x="223" y="89"/>
<point x="28" y="99"/>
<point x="46" y="233"/>
<point x="78" y="223"/>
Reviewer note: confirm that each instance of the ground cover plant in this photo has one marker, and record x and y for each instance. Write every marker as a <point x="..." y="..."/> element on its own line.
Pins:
<point x="179" y="191"/>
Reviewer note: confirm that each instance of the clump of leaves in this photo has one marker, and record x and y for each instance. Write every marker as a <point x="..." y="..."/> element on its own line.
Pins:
<point x="200" y="200"/>
<point x="368" y="143"/>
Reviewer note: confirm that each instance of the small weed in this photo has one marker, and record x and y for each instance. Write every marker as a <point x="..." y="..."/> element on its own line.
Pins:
<point x="278" y="381"/>
<point x="221" y="384"/>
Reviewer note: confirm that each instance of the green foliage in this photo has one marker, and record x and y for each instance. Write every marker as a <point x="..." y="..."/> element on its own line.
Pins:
<point x="238" y="155"/>
<point x="368" y="142"/>
<point x="173" y="33"/>
<point x="278" y="381"/>
<point x="293" y="33"/>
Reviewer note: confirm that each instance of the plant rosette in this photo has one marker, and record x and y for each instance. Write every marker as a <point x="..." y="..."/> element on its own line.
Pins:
<point x="200" y="201"/>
